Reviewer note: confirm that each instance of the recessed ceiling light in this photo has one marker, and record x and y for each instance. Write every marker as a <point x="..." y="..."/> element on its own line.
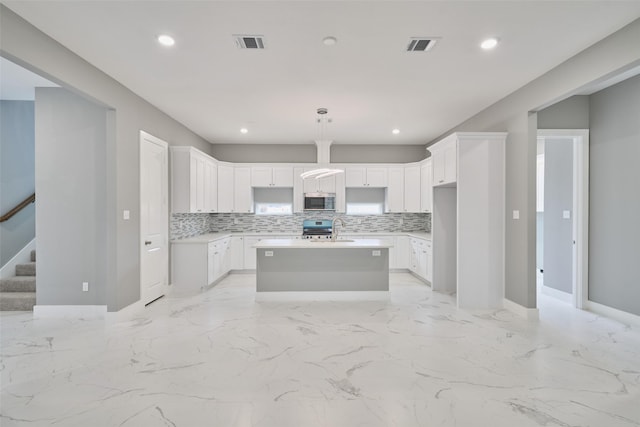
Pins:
<point x="166" y="40"/>
<point x="395" y="131"/>
<point x="489" y="43"/>
<point x="329" y="41"/>
<point x="244" y="130"/>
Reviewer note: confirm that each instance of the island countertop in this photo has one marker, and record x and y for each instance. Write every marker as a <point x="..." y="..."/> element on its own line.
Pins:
<point x="322" y="244"/>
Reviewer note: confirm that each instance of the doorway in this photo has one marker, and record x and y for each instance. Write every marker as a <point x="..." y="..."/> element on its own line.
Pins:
<point x="562" y="209"/>
<point x="154" y="218"/>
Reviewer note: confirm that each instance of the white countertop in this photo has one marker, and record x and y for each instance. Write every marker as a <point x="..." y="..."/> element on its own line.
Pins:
<point x="211" y="237"/>
<point x="321" y="244"/>
<point x="203" y="238"/>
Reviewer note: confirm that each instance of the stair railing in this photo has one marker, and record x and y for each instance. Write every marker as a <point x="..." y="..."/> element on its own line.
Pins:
<point x="23" y="204"/>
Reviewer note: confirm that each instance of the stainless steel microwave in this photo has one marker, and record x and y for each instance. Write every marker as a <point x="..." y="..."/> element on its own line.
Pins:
<point x="319" y="202"/>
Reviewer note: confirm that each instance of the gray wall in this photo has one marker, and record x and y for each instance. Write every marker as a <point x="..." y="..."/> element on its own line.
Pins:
<point x="267" y="153"/>
<point x="614" y="228"/>
<point x="558" y="197"/>
<point x="26" y="45"/>
<point x="516" y="114"/>
<point x="572" y="113"/>
<point x="17" y="175"/>
<point x="71" y="190"/>
<point x="377" y="153"/>
<point x="307" y="153"/>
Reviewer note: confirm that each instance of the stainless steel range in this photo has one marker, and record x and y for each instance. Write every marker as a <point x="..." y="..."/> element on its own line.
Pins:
<point x="316" y="229"/>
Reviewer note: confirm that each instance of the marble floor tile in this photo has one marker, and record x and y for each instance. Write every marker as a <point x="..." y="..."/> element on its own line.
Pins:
<point x="227" y="358"/>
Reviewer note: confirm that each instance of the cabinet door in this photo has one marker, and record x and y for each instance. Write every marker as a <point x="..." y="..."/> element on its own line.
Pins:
<point x="225" y="188"/>
<point x="201" y="183"/>
<point x="395" y="190"/>
<point x="237" y="253"/>
<point x="412" y="189"/>
<point x="425" y="186"/>
<point x="451" y="162"/>
<point x="211" y="252"/>
<point x="212" y="188"/>
<point x="250" y="251"/>
<point x="261" y="177"/>
<point x="282" y="176"/>
<point x="298" y="191"/>
<point x="403" y="252"/>
<point x="355" y="177"/>
<point x="377" y="177"/>
<point x="437" y="163"/>
<point x="429" y="267"/>
<point x="242" y="191"/>
<point x="310" y="185"/>
<point x="327" y="184"/>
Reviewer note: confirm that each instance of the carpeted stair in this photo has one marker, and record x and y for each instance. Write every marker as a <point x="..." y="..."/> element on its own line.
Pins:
<point x="18" y="293"/>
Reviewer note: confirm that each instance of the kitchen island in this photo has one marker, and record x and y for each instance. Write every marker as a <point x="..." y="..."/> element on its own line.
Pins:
<point x="322" y="265"/>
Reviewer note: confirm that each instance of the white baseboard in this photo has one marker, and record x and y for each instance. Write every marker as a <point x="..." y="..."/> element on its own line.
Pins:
<point x="614" y="313"/>
<point x="557" y="294"/>
<point x="22" y="257"/>
<point x="527" y="313"/>
<point x="70" y="311"/>
<point x="125" y="314"/>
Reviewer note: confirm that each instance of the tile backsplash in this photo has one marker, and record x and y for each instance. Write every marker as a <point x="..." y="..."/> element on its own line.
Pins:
<point x="189" y="225"/>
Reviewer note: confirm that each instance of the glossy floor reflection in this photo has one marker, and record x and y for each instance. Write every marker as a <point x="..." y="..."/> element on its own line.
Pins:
<point x="223" y="359"/>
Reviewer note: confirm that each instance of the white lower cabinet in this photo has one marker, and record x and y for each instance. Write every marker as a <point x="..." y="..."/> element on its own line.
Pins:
<point x="403" y="252"/>
<point x="236" y="253"/>
<point x="195" y="266"/>
<point x="421" y="257"/>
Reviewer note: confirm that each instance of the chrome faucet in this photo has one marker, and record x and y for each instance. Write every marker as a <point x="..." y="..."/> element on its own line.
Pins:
<point x="334" y="231"/>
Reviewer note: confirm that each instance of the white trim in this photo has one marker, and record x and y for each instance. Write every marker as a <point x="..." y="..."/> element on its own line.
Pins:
<point x="70" y="311"/>
<point x="580" y="253"/>
<point x="22" y="257"/>
<point x="563" y="296"/>
<point x="614" y="313"/>
<point x="531" y="314"/>
<point x="129" y="312"/>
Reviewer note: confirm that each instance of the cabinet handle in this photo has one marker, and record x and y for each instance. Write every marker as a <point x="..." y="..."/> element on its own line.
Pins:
<point x="442" y="180"/>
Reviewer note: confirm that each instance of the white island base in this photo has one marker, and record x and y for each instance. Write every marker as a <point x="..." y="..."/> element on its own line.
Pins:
<point x="302" y="265"/>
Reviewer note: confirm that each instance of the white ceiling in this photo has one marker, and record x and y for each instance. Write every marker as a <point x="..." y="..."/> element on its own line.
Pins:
<point x="369" y="83"/>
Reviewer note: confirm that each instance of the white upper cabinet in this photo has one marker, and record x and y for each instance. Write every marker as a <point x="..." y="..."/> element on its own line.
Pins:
<point x="242" y="191"/>
<point x="426" y="177"/>
<point x="235" y="193"/>
<point x="444" y="155"/>
<point x="265" y="176"/>
<point x="225" y="187"/>
<point x="395" y="190"/>
<point x="412" y="196"/>
<point x="357" y="176"/>
<point x="193" y="181"/>
<point x="322" y="185"/>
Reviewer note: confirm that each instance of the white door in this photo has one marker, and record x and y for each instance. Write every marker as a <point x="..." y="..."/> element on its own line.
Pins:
<point x="154" y="218"/>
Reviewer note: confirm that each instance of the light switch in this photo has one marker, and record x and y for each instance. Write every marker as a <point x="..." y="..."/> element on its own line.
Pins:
<point x="126" y="214"/>
<point x="85" y="286"/>
<point x="268" y="253"/>
<point x="566" y="214"/>
<point x="516" y="214"/>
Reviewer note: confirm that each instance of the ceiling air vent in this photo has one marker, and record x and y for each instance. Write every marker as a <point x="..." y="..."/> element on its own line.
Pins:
<point x="421" y="44"/>
<point x="249" y="42"/>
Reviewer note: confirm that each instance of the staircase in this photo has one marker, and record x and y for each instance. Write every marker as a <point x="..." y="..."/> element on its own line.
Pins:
<point x="18" y="293"/>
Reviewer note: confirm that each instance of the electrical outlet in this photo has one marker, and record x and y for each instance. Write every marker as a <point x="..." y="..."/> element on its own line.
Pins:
<point x="85" y="286"/>
<point x="236" y="221"/>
